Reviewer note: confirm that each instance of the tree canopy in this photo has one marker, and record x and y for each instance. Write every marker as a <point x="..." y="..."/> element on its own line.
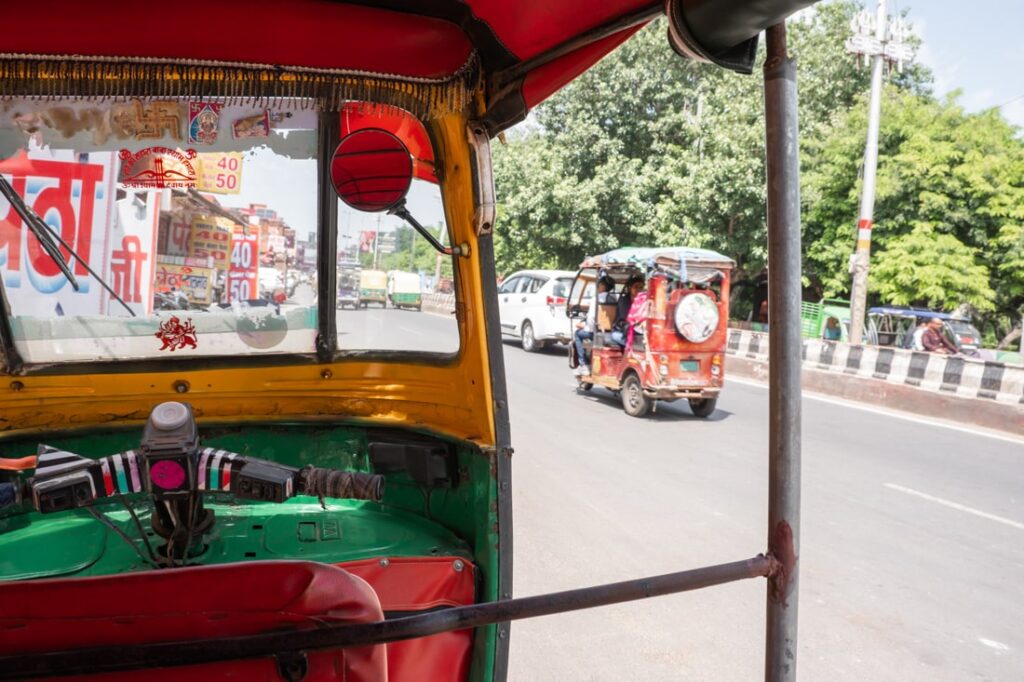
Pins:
<point x="650" y="149"/>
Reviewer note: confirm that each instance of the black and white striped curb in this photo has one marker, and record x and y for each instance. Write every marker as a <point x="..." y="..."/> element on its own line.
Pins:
<point x="966" y="377"/>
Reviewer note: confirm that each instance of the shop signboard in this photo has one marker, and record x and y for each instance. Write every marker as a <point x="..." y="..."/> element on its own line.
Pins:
<point x="172" y="274"/>
<point x="75" y="195"/>
<point x="210" y="239"/>
<point x="243" y="266"/>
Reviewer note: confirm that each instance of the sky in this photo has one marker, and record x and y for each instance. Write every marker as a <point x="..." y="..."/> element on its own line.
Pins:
<point x="975" y="47"/>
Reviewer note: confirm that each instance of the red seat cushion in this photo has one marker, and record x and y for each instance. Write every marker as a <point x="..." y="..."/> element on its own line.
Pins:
<point x="407" y="585"/>
<point x="195" y="603"/>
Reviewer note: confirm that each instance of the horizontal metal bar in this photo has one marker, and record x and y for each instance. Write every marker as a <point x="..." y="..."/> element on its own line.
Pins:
<point x="170" y="654"/>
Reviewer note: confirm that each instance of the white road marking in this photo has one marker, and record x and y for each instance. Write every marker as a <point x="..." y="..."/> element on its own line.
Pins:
<point x="887" y="413"/>
<point x="998" y="646"/>
<point x="956" y="505"/>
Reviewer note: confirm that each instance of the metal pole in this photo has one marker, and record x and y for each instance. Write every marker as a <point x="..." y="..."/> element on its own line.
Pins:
<point x="107" y="659"/>
<point x="862" y="256"/>
<point x="783" y="163"/>
<point x="376" y="241"/>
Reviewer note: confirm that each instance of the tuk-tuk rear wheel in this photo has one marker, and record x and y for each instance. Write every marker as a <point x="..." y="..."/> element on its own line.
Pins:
<point x="634" y="402"/>
<point x="702" y="407"/>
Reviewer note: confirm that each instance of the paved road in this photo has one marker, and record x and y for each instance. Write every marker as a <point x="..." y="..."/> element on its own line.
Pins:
<point x="390" y="329"/>
<point x="912" y="548"/>
<point x="912" y="545"/>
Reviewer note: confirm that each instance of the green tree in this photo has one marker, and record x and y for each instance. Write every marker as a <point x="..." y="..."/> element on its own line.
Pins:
<point x="950" y="197"/>
<point x="650" y="149"/>
<point x="930" y="269"/>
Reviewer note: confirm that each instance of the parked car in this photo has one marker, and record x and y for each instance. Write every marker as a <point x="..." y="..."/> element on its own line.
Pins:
<point x="531" y="304"/>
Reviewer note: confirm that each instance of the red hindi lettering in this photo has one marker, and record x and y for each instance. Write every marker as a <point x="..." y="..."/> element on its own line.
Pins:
<point x="75" y="225"/>
<point x="10" y="231"/>
<point x="126" y="265"/>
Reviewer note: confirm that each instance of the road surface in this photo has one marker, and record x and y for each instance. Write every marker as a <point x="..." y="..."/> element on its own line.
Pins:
<point x="912" y="547"/>
<point x="912" y="555"/>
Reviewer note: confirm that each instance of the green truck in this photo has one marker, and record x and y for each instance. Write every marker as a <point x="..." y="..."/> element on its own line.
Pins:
<point x="814" y="319"/>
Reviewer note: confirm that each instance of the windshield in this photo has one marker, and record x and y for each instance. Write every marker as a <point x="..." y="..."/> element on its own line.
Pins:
<point x="200" y="216"/>
<point x="403" y="298"/>
<point x="561" y="287"/>
<point x="961" y="328"/>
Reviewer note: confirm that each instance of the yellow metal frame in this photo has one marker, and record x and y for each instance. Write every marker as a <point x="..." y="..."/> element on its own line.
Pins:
<point x="454" y="398"/>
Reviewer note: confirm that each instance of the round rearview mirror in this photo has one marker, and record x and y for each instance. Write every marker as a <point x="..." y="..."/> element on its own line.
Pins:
<point x="371" y="170"/>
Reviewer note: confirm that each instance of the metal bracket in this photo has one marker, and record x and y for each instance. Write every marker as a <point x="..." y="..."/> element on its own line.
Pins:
<point x="483" y="178"/>
<point x="292" y="666"/>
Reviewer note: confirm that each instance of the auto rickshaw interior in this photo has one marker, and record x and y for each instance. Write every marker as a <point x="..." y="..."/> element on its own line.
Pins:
<point x="225" y="428"/>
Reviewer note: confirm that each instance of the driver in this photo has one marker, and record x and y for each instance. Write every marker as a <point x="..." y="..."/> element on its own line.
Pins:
<point x="585" y="329"/>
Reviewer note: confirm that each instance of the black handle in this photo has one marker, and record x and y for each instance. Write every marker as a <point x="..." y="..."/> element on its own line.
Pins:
<point x="347" y="485"/>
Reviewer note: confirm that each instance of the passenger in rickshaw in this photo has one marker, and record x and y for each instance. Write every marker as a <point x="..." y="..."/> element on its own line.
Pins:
<point x="585" y="329"/>
<point x="620" y="335"/>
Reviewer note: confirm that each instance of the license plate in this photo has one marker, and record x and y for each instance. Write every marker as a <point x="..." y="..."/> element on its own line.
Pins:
<point x="690" y="365"/>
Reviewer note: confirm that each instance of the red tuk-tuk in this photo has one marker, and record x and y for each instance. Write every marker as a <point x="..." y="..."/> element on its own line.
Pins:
<point x="674" y="347"/>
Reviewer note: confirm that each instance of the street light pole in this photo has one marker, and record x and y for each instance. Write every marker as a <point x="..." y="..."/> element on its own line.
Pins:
<point x="885" y="45"/>
<point x="376" y="242"/>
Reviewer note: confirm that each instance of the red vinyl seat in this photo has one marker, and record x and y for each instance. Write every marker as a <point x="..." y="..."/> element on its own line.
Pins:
<point x="195" y="603"/>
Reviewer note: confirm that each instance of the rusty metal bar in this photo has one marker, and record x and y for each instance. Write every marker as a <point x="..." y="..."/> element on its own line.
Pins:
<point x="785" y="343"/>
<point x="169" y="654"/>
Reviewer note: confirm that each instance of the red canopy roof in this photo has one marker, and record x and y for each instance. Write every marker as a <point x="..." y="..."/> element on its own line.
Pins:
<point x="528" y="49"/>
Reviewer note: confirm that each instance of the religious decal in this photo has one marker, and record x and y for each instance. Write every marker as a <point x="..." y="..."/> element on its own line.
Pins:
<point x="251" y="126"/>
<point x="203" y="122"/>
<point x="158" y="168"/>
<point x="176" y="334"/>
<point x="146" y="121"/>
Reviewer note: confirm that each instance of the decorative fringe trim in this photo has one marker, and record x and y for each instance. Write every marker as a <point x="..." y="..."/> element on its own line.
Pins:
<point x="113" y="78"/>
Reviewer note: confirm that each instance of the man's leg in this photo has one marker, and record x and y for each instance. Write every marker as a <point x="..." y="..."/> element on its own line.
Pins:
<point x="581" y="352"/>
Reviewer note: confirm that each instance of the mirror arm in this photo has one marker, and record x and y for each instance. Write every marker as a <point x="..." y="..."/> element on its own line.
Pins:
<point x="402" y="212"/>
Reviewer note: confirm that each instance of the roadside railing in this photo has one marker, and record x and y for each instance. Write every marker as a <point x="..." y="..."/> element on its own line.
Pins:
<point x="442" y="304"/>
<point x="958" y="375"/>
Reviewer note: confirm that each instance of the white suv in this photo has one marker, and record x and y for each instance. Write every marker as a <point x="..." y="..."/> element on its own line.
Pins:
<point x="531" y="304"/>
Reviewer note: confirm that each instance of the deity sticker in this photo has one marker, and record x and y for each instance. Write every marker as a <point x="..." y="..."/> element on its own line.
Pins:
<point x="251" y="126"/>
<point x="176" y="334"/>
<point x="203" y="122"/>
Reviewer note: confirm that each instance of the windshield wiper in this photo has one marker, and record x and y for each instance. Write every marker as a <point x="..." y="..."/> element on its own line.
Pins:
<point x="49" y="240"/>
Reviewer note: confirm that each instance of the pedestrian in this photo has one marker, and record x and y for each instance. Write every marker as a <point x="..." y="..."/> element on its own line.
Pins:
<point x="934" y="341"/>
